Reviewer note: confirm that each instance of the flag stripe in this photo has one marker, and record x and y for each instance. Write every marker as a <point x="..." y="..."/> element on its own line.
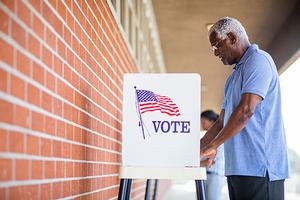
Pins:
<point x="173" y="106"/>
<point x="162" y="108"/>
<point x="171" y="114"/>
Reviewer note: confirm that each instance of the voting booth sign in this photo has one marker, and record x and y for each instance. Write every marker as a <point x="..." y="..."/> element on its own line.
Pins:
<point x="161" y="120"/>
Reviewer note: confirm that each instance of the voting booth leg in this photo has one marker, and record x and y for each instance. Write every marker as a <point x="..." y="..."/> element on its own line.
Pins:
<point x="155" y="189"/>
<point x="129" y="181"/>
<point x="147" y="191"/>
<point x="200" y="189"/>
<point x="122" y="189"/>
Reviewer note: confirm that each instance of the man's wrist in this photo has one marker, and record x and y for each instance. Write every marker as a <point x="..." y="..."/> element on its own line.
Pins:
<point x="214" y="145"/>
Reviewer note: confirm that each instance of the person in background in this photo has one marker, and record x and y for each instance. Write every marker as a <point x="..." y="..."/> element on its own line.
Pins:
<point x="215" y="174"/>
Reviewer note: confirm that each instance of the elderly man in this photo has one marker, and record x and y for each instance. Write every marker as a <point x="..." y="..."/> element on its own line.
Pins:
<point x="250" y="123"/>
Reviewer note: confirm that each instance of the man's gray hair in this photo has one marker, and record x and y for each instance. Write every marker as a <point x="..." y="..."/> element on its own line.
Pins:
<point x="228" y="24"/>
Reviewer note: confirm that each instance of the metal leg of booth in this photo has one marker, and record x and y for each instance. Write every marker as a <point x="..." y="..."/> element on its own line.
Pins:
<point x="155" y="189"/>
<point x="200" y="189"/>
<point x="147" y="191"/>
<point x="129" y="181"/>
<point x="122" y="189"/>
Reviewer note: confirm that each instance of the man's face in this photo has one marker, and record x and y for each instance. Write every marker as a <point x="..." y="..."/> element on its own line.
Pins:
<point x="222" y="48"/>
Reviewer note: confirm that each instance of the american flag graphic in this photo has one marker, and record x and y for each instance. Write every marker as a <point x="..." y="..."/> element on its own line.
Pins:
<point x="149" y="102"/>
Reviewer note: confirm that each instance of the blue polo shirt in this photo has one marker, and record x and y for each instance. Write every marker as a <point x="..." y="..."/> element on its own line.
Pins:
<point x="260" y="146"/>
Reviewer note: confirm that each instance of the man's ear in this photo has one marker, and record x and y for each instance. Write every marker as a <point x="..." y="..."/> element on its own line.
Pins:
<point x="232" y="37"/>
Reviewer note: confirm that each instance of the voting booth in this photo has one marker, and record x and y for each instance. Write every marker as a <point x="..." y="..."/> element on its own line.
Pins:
<point x="161" y="129"/>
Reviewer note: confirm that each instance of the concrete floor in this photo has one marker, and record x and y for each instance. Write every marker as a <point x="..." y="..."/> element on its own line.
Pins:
<point x="186" y="190"/>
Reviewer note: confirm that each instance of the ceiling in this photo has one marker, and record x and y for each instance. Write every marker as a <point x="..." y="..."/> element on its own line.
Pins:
<point x="183" y="34"/>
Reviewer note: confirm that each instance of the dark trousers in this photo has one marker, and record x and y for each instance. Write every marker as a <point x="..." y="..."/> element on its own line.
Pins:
<point x="254" y="188"/>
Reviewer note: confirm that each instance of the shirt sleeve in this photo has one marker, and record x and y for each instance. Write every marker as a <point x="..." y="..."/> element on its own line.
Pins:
<point x="257" y="75"/>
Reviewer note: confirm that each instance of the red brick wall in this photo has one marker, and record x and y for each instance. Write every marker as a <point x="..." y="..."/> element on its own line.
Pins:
<point x="61" y="71"/>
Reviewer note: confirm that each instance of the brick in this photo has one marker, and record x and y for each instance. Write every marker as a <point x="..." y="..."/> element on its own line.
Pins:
<point x="34" y="46"/>
<point x="67" y="36"/>
<point x="47" y="13"/>
<point x="6" y="116"/>
<point x="59" y="169"/>
<point x="68" y="94"/>
<point x="61" y="88"/>
<point x="49" y="125"/>
<point x="67" y="111"/>
<point x="16" y="142"/>
<point x="33" y="95"/>
<point x="56" y="24"/>
<point x="49" y="169"/>
<point x="67" y="74"/>
<point x="60" y="129"/>
<point x="57" y="190"/>
<point x="38" y="73"/>
<point x="46" y="101"/>
<point x="36" y="5"/>
<point x="77" y="134"/>
<point x="6" y="52"/>
<point x="61" y="48"/>
<point x="22" y="169"/>
<point x="51" y="39"/>
<point x="23" y="64"/>
<point x="36" y="169"/>
<point x="23" y="13"/>
<point x="75" y="187"/>
<point x="46" y="191"/>
<point x="37" y="121"/>
<point x="5" y="169"/>
<point x="57" y="107"/>
<point x="38" y="27"/>
<point x="47" y="57"/>
<point x="53" y="3"/>
<point x="50" y="81"/>
<point x="75" y="114"/>
<point x="61" y="10"/>
<point x="17" y="87"/>
<point x="70" y="21"/>
<point x="32" y="145"/>
<point x="21" y="116"/>
<point x="66" y="188"/>
<point x="4" y="22"/>
<point x="16" y="192"/>
<point x="46" y="147"/>
<point x="18" y="34"/>
<point x="3" y="80"/>
<point x="3" y="193"/>
<point x="3" y="140"/>
<point x="9" y="4"/>
<point x="31" y="192"/>
<point x="66" y="150"/>
<point x="57" y="148"/>
<point x="69" y="132"/>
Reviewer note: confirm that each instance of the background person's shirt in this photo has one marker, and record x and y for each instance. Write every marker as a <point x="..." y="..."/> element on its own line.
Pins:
<point x="261" y="145"/>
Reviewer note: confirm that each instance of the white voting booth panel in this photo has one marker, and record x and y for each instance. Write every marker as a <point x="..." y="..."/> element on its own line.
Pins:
<point x="161" y="127"/>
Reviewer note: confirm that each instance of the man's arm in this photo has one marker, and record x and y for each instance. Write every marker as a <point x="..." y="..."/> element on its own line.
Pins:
<point x="212" y="131"/>
<point x="236" y="123"/>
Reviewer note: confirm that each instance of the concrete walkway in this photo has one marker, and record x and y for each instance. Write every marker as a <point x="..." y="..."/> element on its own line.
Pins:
<point x="186" y="190"/>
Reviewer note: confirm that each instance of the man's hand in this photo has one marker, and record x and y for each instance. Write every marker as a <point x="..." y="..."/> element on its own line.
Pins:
<point x="210" y="153"/>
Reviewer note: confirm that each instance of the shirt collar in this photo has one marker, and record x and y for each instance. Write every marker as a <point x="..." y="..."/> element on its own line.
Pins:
<point x="246" y="55"/>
